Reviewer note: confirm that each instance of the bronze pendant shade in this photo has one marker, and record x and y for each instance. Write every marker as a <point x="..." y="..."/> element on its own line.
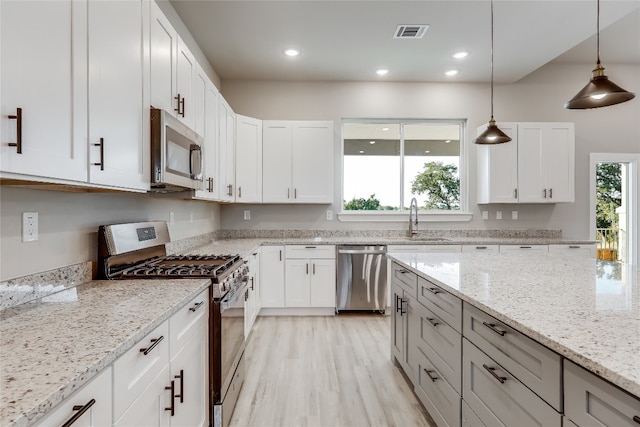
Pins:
<point x="493" y="134"/>
<point x="600" y="91"/>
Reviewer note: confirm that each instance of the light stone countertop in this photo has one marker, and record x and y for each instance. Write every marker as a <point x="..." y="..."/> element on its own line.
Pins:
<point x="52" y="346"/>
<point x="585" y="309"/>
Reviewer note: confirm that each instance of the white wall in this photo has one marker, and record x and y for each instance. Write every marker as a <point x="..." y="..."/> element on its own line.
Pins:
<point x="538" y="97"/>
<point x="69" y="224"/>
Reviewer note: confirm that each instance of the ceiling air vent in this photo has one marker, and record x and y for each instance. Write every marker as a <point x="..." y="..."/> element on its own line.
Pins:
<point x="410" y="31"/>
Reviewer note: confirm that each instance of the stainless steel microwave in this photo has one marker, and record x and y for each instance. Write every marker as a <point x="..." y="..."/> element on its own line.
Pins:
<point x="176" y="154"/>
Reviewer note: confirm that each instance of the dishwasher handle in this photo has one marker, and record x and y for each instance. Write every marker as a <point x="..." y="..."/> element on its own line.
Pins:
<point x="360" y="252"/>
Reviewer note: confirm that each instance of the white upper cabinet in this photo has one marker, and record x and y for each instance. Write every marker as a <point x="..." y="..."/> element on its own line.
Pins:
<point x="248" y="159"/>
<point x="162" y="56"/>
<point x="546" y="162"/>
<point x="537" y="166"/>
<point x="210" y="148"/>
<point x="200" y="83"/>
<point x="297" y="162"/>
<point x="118" y="113"/>
<point x="43" y="75"/>
<point x="226" y="157"/>
<point x="173" y="70"/>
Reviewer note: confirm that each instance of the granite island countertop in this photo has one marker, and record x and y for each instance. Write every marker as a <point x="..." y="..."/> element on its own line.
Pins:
<point x="53" y="345"/>
<point x="585" y="309"/>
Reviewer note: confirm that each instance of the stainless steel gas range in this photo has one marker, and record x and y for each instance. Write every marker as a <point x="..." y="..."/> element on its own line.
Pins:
<point x="138" y="251"/>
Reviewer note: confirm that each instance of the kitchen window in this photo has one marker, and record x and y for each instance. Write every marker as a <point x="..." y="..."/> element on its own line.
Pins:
<point x="386" y="163"/>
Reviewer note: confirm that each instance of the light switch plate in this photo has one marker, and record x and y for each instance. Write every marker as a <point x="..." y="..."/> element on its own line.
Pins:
<point x="29" y="226"/>
<point x="247" y="215"/>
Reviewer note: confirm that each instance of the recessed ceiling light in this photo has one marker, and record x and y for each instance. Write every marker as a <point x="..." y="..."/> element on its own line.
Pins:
<point x="460" y="54"/>
<point x="451" y="72"/>
<point x="447" y="141"/>
<point x="361" y="152"/>
<point x="385" y="129"/>
<point x="372" y="142"/>
<point x="427" y="151"/>
<point x="382" y="72"/>
<point x="292" y="52"/>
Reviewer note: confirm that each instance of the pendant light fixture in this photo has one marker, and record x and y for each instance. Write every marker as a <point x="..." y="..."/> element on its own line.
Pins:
<point x="600" y="91"/>
<point x="493" y="134"/>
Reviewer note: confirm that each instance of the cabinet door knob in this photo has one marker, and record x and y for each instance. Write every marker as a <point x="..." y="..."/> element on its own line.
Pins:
<point x="18" y="118"/>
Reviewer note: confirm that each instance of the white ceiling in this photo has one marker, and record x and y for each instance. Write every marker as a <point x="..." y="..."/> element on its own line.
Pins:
<point x="348" y="40"/>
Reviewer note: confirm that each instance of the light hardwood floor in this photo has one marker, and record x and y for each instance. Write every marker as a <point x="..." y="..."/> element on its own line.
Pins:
<point x="324" y="371"/>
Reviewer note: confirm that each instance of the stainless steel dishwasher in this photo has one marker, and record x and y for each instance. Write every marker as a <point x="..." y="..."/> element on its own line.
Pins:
<point x="361" y="278"/>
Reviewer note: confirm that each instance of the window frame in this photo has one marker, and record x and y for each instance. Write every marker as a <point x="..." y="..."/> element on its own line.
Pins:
<point x="463" y="214"/>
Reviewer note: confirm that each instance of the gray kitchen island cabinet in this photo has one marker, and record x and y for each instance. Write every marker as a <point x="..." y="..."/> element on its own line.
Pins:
<point x="496" y="337"/>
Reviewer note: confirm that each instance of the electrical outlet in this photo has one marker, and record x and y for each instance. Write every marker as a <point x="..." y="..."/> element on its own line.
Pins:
<point x="190" y="216"/>
<point x="172" y="218"/>
<point x="247" y="215"/>
<point x="514" y="214"/>
<point x="29" y="226"/>
<point x="329" y="215"/>
<point x="498" y="214"/>
<point x="485" y="214"/>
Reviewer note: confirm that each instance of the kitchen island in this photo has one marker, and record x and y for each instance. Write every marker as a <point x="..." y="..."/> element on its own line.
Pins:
<point x="585" y="310"/>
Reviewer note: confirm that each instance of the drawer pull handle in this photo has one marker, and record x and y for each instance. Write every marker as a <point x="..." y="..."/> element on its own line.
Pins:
<point x="398" y="306"/>
<point x="154" y="343"/>
<point x="196" y="306"/>
<point x="574" y="247"/>
<point x="181" y="377"/>
<point x="493" y="374"/>
<point x="434" y="291"/>
<point x="81" y="410"/>
<point x="433" y="379"/>
<point x="310" y="247"/>
<point x="402" y="271"/>
<point x="172" y="407"/>
<point x="18" y="118"/>
<point x="492" y="326"/>
<point x="481" y="247"/>
<point x="433" y="322"/>
<point x="525" y="247"/>
<point x="636" y="419"/>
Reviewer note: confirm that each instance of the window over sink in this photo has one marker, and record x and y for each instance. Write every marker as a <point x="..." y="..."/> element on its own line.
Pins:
<point x="387" y="162"/>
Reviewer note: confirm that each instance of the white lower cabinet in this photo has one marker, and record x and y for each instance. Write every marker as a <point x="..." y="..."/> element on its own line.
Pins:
<point x="586" y="251"/>
<point x="151" y="408"/>
<point x="92" y="405"/>
<point x="163" y="380"/>
<point x="591" y="401"/>
<point x="310" y="283"/>
<point x="310" y="276"/>
<point x="252" y="301"/>
<point x="540" y="249"/>
<point x="272" y="276"/>
<point x="480" y="248"/>
<point x="439" y="398"/>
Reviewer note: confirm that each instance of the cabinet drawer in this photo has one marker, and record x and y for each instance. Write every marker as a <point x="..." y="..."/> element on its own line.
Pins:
<point x="524" y="248"/>
<point x="481" y="248"/>
<point x="407" y="249"/>
<point x="438" y="397"/>
<point x="533" y="364"/>
<point x="446" y="306"/>
<point x="310" y="251"/>
<point x="404" y="279"/>
<point x="442" y="248"/>
<point x="469" y="418"/>
<point x="441" y="344"/>
<point x="97" y="413"/>
<point x="587" y="251"/>
<point x="186" y="321"/>
<point x="497" y="397"/>
<point x="591" y="401"/>
<point x="135" y="370"/>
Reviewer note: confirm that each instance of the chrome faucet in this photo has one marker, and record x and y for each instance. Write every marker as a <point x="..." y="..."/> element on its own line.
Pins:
<point x="413" y="217"/>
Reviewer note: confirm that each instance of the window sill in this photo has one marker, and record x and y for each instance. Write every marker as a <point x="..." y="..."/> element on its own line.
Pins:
<point x="387" y="216"/>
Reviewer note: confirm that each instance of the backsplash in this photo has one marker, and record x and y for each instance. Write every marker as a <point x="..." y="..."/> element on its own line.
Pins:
<point x="28" y="288"/>
<point x="275" y="234"/>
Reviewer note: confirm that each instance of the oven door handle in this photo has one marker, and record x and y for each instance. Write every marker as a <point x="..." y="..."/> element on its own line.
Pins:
<point x="228" y="302"/>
